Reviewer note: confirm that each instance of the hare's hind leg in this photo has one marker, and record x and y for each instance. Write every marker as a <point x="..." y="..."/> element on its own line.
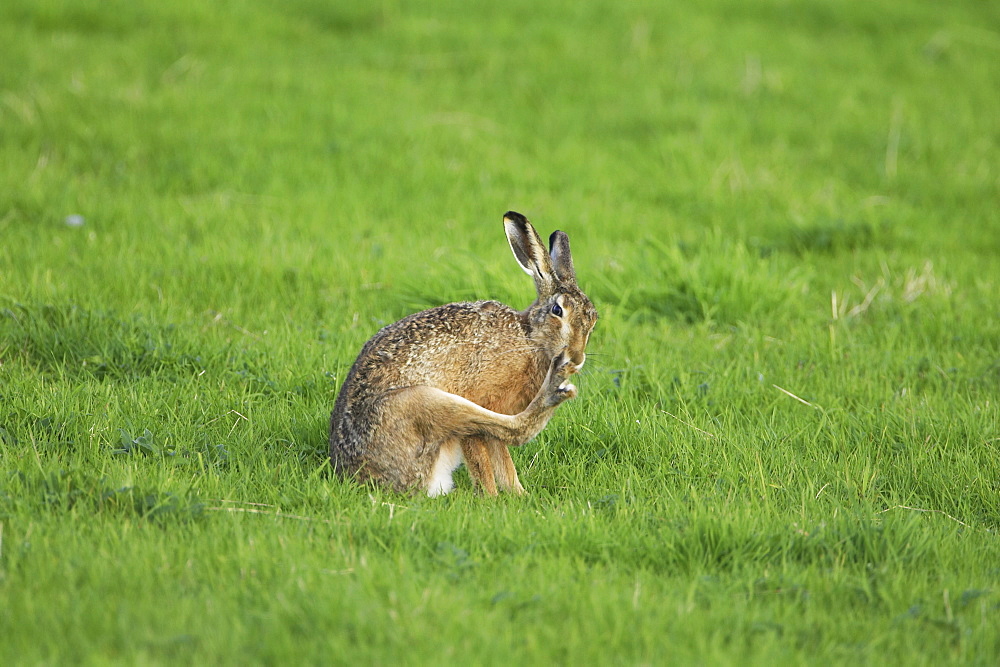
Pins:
<point x="490" y="466"/>
<point x="424" y="415"/>
<point x="504" y="471"/>
<point x="503" y="468"/>
<point x="478" y="460"/>
<point x="431" y="415"/>
<point x="436" y="415"/>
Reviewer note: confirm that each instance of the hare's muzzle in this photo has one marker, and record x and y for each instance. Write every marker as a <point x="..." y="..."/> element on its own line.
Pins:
<point x="570" y="362"/>
<point x="576" y="362"/>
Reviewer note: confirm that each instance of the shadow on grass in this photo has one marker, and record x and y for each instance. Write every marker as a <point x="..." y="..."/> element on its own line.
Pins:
<point x="60" y="490"/>
<point x="828" y="237"/>
<point x="74" y="341"/>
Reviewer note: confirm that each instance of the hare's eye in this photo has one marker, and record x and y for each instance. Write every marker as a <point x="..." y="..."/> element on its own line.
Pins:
<point x="557" y="310"/>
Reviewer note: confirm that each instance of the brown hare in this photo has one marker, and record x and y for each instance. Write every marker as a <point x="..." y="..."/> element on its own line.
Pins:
<point x="465" y="381"/>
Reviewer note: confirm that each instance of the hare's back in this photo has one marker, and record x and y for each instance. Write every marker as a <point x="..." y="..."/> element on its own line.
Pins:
<point x="456" y="347"/>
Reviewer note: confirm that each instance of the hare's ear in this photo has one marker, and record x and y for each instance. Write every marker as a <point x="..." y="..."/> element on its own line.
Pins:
<point x="562" y="260"/>
<point x="529" y="251"/>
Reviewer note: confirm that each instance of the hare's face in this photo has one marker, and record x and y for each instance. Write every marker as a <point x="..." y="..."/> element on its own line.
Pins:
<point x="562" y="317"/>
<point x="564" y="321"/>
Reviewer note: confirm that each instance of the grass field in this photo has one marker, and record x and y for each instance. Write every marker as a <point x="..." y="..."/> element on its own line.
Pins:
<point x="786" y="447"/>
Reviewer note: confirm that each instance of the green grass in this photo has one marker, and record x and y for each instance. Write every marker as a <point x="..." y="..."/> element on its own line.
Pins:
<point x="786" y="446"/>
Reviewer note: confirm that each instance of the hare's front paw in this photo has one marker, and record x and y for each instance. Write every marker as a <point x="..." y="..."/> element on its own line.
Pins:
<point x="565" y="392"/>
<point x="559" y="388"/>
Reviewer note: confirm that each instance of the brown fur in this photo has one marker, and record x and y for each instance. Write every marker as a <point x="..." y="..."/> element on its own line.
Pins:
<point x="479" y="377"/>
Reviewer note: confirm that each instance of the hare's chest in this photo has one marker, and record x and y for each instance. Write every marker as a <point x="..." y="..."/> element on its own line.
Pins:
<point x="506" y="384"/>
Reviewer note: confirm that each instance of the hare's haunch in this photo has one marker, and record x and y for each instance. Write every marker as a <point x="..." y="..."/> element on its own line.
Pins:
<point x="465" y="381"/>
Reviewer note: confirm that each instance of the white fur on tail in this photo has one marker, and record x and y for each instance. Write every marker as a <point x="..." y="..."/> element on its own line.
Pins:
<point x="447" y="462"/>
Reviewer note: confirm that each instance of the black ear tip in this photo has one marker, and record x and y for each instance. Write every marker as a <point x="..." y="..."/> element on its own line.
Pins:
<point x="556" y="236"/>
<point x="514" y="216"/>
